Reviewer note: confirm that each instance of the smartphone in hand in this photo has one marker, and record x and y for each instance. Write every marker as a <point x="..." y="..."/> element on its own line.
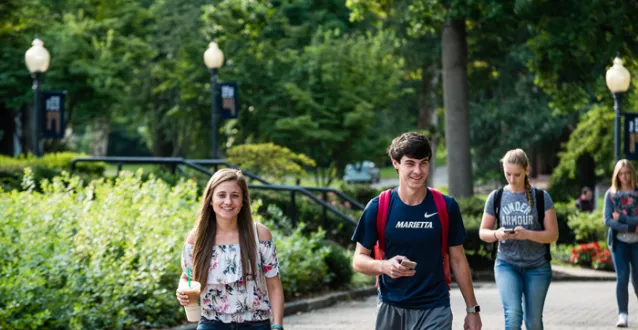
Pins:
<point x="509" y="230"/>
<point x="409" y="264"/>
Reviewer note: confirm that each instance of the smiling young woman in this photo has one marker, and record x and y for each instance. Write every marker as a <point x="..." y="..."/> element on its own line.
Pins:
<point x="234" y="259"/>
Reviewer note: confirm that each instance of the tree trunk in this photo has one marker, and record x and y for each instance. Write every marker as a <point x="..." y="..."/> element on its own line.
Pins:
<point x="457" y="130"/>
<point x="7" y="130"/>
<point x="427" y="111"/>
<point x="100" y="130"/>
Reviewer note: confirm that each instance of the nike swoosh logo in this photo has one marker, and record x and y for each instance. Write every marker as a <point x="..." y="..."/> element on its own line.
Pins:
<point x="426" y="215"/>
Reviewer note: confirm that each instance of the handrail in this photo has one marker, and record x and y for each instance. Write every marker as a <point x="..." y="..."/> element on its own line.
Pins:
<point x="194" y="165"/>
<point x="216" y="162"/>
<point x="251" y="175"/>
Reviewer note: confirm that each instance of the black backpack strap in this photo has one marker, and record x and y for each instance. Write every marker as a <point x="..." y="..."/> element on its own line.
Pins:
<point x="497" y="216"/>
<point x="540" y="210"/>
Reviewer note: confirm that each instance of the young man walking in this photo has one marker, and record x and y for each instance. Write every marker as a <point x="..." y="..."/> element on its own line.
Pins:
<point x="415" y="297"/>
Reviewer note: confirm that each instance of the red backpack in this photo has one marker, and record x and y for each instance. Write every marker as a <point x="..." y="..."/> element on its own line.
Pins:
<point x="382" y="219"/>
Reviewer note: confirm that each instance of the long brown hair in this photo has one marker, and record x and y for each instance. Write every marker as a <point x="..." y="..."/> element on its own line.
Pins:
<point x="615" y="182"/>
<point x="206" y="228"/>
<point x="518" y="157"/>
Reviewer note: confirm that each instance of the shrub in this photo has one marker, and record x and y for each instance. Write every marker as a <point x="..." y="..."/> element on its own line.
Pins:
<point x="45" y="167"/>
<point x="105" y="255"/>
<point x="301" y="262"/>
<point x="588" y="226"/>
<point x="339" y="264"/>
<point x="310" y="214"/>
<point x="362" y="193"/>
<point x="563" y="212"/>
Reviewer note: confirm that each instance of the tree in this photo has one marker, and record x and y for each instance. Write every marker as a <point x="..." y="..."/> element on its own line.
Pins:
<point x="431" y="17"/>
<point x="325" y="99"/>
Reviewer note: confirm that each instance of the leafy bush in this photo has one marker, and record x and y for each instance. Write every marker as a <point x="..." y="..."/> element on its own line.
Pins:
<point x="471" y="206"/>
<point x="105" y="255"/>
<point x="301" y="262"/>
<point x="45" y="167"/>
<point x="270" y="160"/>
<point x="362" y="193"/>
<point x="339" y="264"/>
<point x="563" y="212"/>
<point x="588" y="226"/>
<point x="310" y="214"/>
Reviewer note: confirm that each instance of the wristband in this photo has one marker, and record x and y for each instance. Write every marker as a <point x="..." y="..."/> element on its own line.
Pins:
<point x="277" y="326"/>
<point x="495" y="235"/>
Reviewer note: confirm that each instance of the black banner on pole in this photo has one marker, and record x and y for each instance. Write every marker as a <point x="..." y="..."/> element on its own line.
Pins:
<point x="53" y="114"/>
<point x="227" y="101"/>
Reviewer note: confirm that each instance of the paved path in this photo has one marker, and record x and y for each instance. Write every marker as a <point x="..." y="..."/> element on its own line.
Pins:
<point x="569" y="305"/>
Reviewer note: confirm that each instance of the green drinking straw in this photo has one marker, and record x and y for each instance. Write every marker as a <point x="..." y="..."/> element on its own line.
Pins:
<point x="189" y="276"/>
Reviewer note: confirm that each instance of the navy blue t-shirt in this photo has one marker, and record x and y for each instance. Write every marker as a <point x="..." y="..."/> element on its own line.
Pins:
<point x="415" y="233"/>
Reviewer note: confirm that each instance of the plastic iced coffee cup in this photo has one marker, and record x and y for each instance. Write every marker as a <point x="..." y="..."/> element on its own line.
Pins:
<point x="193" y="310"/>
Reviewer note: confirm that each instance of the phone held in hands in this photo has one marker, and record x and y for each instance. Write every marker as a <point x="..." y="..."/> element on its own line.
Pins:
<point x="409" y="264"/>
<point x="509" y="230"/>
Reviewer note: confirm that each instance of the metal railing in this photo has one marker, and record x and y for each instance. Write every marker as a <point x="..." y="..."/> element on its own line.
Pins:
<point x="323" y="190"/>
<point x="198" y="165"/>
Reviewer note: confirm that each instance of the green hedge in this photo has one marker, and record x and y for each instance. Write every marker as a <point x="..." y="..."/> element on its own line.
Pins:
<point x="45" y="167"/>
<point x="106" y="255"/>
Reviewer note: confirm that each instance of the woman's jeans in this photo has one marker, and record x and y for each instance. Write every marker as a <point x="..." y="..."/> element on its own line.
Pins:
<point x="624" y="255"/>
<point x="518" y="283"/>
<point x="205" y="324"/>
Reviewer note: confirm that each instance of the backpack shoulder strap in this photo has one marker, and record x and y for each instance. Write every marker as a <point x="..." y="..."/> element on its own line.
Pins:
<point x="540" y="206"/>
<point x="441" y="209"/>
<point x="382" y="219"/>
<point x="497" y="206"/>
<point x="540" y="211"/>
<point x="497" y="217"/>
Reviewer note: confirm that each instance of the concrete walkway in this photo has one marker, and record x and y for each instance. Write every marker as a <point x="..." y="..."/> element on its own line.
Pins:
<point x="569" y="305"/>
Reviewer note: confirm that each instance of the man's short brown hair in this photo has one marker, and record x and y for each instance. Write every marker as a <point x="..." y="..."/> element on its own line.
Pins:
<point x="411" y="144"/>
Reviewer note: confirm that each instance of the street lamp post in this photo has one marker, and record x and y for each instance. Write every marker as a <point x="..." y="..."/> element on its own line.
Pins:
<point x="213" y="58"/>
<point x="618" y="80"/>
<point x="37" y="59"/>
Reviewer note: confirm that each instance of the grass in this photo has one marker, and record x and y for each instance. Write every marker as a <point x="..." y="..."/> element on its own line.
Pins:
<point x="388" y="173"/>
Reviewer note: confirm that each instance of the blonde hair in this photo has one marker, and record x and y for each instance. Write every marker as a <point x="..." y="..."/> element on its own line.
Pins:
<point x="518" y="157"/>
<point x="206" y="228"/>
<point x="615" y="182"/>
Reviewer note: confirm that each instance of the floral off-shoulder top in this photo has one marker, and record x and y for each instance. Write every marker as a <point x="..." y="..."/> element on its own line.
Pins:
<point x="224" y="298"/>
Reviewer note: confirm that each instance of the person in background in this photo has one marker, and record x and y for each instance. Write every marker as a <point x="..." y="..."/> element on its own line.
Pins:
<point x="620" y="214"/>
<point x="585" y="201"/>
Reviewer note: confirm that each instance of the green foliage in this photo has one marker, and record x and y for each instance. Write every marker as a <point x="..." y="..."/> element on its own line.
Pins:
<point x="593" y="136"/>
<point x="563" y="212"/>
<point x="309" y="213"/>
<point x="339" y="263"/>
<point x="303" y="266"/>
<point x="588" y="226"/>
<point x="109" y="260"/>
<point x="362" y="193"/>
<point x="45" y="167"/>
<point x="105" y="255"/>
<point x="269" y="160"/>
